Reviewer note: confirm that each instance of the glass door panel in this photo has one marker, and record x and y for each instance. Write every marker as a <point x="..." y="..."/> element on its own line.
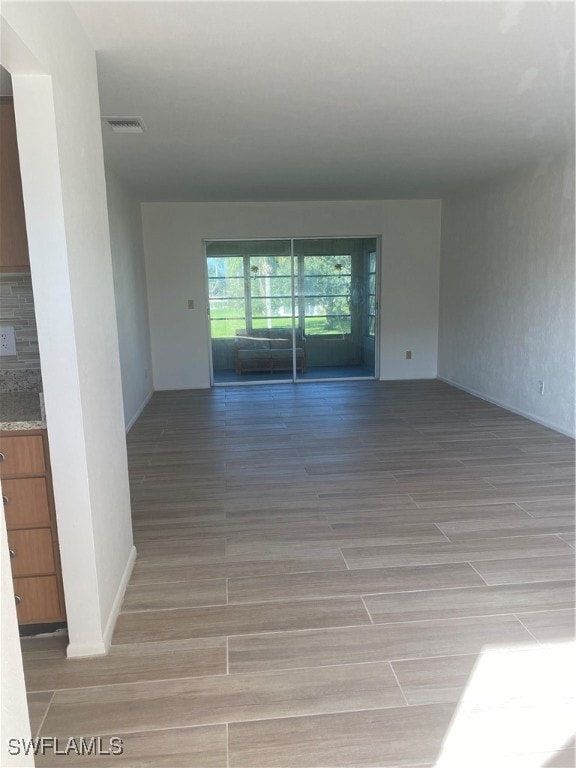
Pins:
<point x="251" y="310"/>
<point x="336" y="298"/>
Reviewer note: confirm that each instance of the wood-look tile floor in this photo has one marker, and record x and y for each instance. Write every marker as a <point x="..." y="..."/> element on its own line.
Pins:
<point x="334" y="575"/>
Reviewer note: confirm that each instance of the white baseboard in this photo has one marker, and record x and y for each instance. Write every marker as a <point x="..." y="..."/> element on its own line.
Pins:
<point x="81" y="650"/>
<point x="508" y="407"/>
<point x="401" y="379"/>
<point x="134" y="418"/>
<point x="181" y="389"/>
<point x="85" y="650"/>
<point x="119" y="599"/>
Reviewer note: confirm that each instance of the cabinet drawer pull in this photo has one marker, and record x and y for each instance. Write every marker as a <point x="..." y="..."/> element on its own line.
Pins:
<point x="18" y="599"/>
<point x="12" y="553"/>
<point x="1" y="457"/>
<point x="5" y="500"/>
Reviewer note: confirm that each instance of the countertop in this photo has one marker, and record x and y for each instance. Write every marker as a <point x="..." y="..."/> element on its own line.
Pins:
<point x="22" y="410"/>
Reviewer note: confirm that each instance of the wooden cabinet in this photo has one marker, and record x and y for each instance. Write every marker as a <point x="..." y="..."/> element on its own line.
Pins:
<point x="31" y="552"/>
<point x="31" y="523"/>
<point x="22" y="456"/>
<point x="38" y="600"/>
<point x="13" y="238"/>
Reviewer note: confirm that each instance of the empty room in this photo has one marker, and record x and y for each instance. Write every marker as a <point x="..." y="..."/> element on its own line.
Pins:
<point x="287" y="378"/>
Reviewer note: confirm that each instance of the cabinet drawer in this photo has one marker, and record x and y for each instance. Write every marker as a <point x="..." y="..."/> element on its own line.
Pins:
<point x="26" y="502"/>
<point x="22" y="455"/>
<point x="37" y="599"/>
<point x="31" y="551"/>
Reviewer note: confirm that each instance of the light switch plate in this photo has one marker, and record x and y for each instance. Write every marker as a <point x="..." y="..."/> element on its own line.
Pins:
<point x="7" y="340"/>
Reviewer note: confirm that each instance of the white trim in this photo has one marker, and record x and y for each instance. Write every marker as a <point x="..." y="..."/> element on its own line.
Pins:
<point x="80" y="650"/>
<point x="378" y="335"/>
<point x="119" y="599"/>
<point x="85" y="650"/>
<point x="179" y="389"/>
<point x="139" y="411"/>
<point x="208" y="240"/>
<point x="396" y="379"/>
<point x="508" y="407"/>
<point x="290" y="381"/>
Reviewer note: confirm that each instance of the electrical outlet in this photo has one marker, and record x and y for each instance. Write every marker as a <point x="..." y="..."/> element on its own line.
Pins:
<point x="190" y="303"/>
<point x="145" y="373"/>
<point x="7" y="340"/>
<point x="541" y="387"/>
<point x="409" y="354"/>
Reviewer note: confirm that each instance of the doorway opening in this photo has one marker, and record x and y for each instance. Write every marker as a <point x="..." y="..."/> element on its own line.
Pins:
<point x="293" y="309"/>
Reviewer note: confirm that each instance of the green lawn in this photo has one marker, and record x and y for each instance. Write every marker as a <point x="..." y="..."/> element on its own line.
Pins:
<point x="223" y="327"/>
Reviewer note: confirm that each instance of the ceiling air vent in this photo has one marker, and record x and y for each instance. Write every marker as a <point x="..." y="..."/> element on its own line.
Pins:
<point x="125" y="124"/>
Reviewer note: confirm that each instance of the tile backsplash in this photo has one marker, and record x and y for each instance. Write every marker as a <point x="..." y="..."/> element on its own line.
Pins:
<point x="19" y="372"/>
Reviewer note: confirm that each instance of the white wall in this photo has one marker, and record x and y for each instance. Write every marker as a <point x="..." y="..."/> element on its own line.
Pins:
<point x="507" y="291"/>
<point x="60" y="146"/>
<point x="131" y="297"/>
<point x="173" y="234"/>
<point x="14" y="723"/>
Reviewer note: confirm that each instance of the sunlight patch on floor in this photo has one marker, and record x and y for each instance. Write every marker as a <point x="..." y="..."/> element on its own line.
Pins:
<point x="518" y="709"/>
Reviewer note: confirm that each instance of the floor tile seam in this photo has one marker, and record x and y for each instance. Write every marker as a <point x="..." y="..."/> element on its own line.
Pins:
<point x="362" y="595"/>
<point x="471" y="564"/>
<point x="317" y="544"/>
<point x="227" y="746"/>
<point x="283" y="601"/>
<point x="484" y="502"/>
<point x="465" y="616"/>
<point x="442" y="562"/>
<point x="180" y="581"/>
<point x="396" y="525"/>
<point x="519" y="648"/>
<point x="346" y="626"/>
<point x="45" y="713"/>
<point x="460" y="542"/>
<point x="159" y="730"/>
<point x="351" y="595"/>
<point x="506" y="517"/>
<point x="347" y="564"/>
<point x="381" y="708"/>
<point x="527" y="581"/>
<point x="131" y="612"/>
<point x="519" y="505"/>
<point x="271" y="673"/>
<point x="251" y="634"/>
<point x="398" y="684"/>
<point x="220" y="578"/>
<point x="517" y="617"/>
<point x="343" y="570"/>
<point x="145" y="681"/>
<point x="520" y="534"/>
<point x="554" y="483"/>
<point x="437" y="525"/>
<point x="367" y="611"/>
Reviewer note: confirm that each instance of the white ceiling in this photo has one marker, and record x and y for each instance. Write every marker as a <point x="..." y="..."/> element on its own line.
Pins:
<point x="329" y="100"/>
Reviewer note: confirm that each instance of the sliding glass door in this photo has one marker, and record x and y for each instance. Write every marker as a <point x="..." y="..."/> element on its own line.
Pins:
<point x="283" y="310"/>
<point x="251" y="310"/>
<point x="332" y="297"/>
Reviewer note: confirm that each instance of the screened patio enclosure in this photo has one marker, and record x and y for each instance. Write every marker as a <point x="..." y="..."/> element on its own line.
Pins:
<point x="292" y="309"/>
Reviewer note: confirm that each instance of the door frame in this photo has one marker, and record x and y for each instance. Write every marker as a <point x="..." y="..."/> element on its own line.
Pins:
<point x="294" y="379"/>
